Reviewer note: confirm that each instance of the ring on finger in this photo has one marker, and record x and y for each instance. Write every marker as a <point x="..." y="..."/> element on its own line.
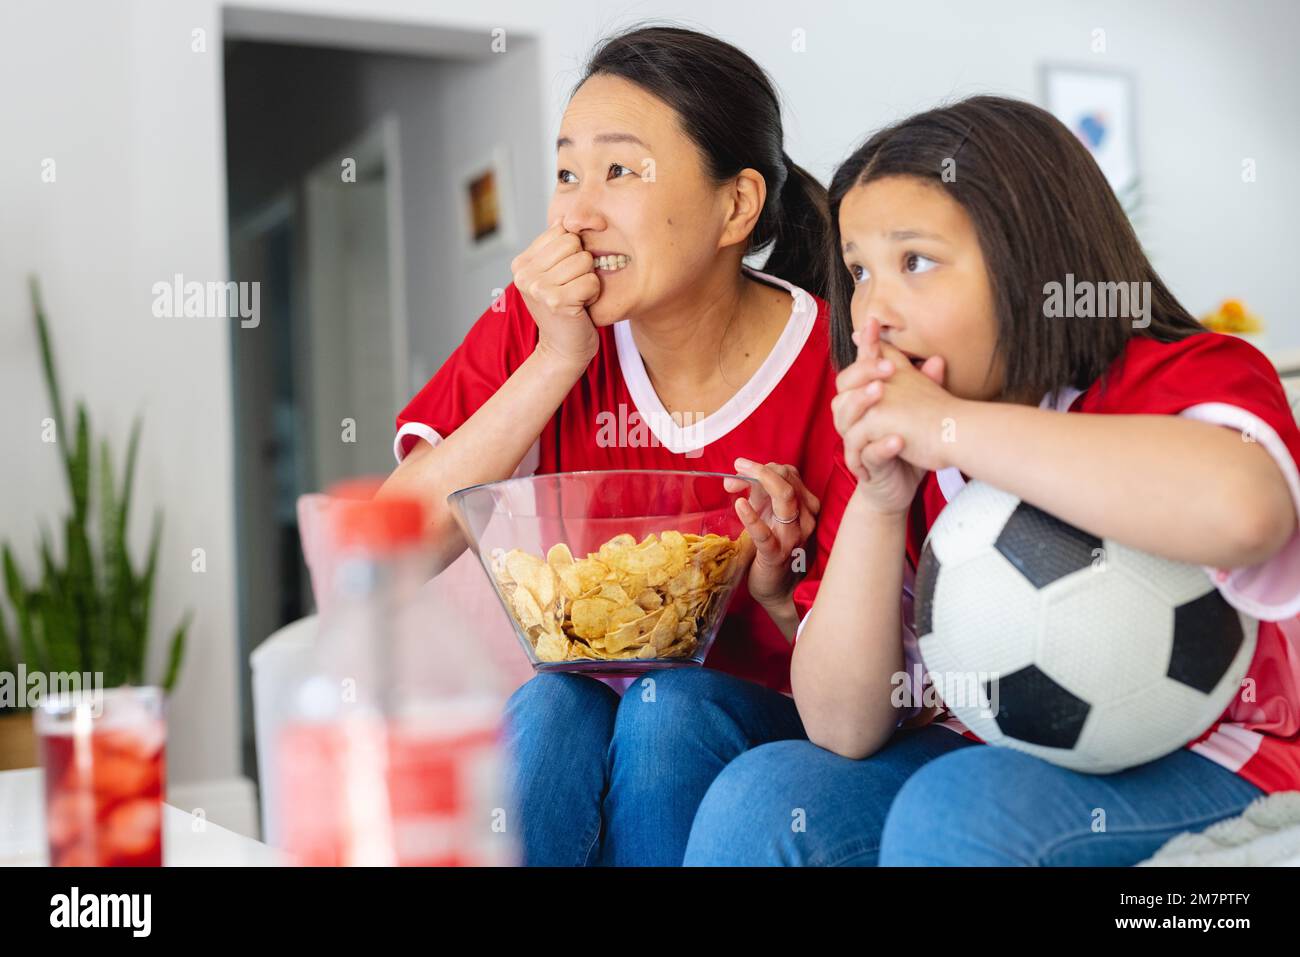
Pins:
<point x="786" y="521"/>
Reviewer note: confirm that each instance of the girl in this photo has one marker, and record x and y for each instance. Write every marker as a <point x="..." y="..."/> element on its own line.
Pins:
<point x="953" y="226"/>
<point x="671" y="171"/>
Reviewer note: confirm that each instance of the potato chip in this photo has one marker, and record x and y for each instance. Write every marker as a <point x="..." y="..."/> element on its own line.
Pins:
<point x="615" y="593"/>
<point x="533" y="574"/>
<point x="664" y="632"/>
<point x="649" y="599"/>
<point x="623" y="615"/>
<point x="689" y="580"/>
<point x="570" y="580"/>
<point x="633" y="583"/>
<point x="519" y="564"/>
<point x="675" y="544"/>
<point x="628" y="600"/>
<point x="526" y="607"/>
<point x="634" y="632"/>
<point x="590" y="573"/>
<point x="553" y="648"/>
<point x="579" y="649"/>
<point x="590" y="616"/>
<point x="612" y="548"/>
<point x="648" y="557"/>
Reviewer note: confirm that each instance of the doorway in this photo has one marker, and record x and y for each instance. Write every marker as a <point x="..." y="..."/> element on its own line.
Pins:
<point x="344" y="144"/>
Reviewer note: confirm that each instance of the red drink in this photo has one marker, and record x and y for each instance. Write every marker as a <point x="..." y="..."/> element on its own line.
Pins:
<point x="412" y="793"/>
<point x="104" y="779"/>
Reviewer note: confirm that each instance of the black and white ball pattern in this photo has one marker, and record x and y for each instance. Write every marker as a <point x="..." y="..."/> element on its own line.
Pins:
<point x="1081" y="651"/>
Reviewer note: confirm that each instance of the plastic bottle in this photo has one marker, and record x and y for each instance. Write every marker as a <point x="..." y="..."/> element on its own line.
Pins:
<point x="393" y="754"/>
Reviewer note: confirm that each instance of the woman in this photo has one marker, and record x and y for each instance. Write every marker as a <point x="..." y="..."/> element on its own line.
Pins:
<point x="671" y="171"/>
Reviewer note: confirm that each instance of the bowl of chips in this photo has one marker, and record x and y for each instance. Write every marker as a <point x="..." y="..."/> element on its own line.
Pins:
<point x="612" y="572"/>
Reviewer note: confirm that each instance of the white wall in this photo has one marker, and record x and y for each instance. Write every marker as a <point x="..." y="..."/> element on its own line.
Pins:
<point x="126" y="111"/>
<point x="113" y="92"/>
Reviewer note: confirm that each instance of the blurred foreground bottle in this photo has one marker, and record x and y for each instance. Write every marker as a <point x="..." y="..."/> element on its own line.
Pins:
<point x="394" y="753"/>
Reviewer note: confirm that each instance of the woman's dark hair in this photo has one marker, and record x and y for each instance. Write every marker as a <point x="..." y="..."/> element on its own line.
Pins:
<point x="1043" y="211"/>
<point x="728" y="106"/>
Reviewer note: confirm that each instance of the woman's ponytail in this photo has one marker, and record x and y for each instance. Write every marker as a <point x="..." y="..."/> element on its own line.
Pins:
<point x="801" y="231"/>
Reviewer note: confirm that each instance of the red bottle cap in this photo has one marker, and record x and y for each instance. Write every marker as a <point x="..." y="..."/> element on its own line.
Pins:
<point x="374" y="524"/>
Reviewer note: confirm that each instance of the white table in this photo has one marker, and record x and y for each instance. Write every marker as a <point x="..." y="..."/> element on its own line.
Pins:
<point x="186" y="842"/>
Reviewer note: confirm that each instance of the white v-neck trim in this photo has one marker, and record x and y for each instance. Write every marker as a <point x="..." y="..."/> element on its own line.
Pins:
<point x="679" y="439"/>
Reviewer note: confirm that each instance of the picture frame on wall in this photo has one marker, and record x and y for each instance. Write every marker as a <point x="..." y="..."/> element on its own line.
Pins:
<point x="1098" y="106"/>
<point x="485" y="204"/>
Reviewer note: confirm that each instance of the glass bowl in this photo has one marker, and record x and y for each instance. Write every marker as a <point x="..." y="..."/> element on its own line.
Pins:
<point x="610" y="572"/>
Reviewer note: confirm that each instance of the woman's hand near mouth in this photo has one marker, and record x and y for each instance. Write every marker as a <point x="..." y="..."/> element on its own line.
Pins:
<point x="557" y="281"/>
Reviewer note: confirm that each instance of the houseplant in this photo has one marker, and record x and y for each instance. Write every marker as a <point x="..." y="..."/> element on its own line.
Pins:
<point x="86" y="610"/>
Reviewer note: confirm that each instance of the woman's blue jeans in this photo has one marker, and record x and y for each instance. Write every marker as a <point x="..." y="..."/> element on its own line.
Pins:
<point x="699" y="767"/>
<point x="599" y="779"/>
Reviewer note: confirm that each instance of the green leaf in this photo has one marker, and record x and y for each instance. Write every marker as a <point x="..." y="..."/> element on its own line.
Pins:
<point x="128" y="480"/>
<point x="83" y="595"/>
<point x="176" y="652"/>
<point x="47" y="365"/>
<point x="112" y="595"/>
<point x="79" y="467"/>
<point x="145" y="583"/>
<point x="58" y="618"/>
<point x="8" y="659"/>
<point x="33" y="652"/>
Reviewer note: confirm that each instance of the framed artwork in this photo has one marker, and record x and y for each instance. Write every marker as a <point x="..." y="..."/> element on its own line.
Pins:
<point x="484" y="200"/>
<point x="1098" y="107"/>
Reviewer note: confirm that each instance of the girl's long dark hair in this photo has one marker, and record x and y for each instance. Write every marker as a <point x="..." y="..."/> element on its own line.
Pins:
<point x="1042" y="210"/>
<point x="728" y="106"/>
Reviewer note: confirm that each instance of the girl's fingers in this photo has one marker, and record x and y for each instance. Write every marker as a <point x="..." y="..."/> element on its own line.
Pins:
<point x="936" y="369"/>
<point x="877" y="453"/>
<point x="853" y="460"/>
<point x="869" y="340"/>
<point x="895" y="356"/>
<point x="859" y="373"/>
<point x="848" y="407"/>
<point x="861" y="434"/>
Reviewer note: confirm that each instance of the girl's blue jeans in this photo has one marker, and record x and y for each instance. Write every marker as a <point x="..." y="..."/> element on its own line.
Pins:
<point x="696" y="766"/>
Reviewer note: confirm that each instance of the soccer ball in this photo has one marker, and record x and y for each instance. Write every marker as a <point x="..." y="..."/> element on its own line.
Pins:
<point x="1083" y="652"/>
